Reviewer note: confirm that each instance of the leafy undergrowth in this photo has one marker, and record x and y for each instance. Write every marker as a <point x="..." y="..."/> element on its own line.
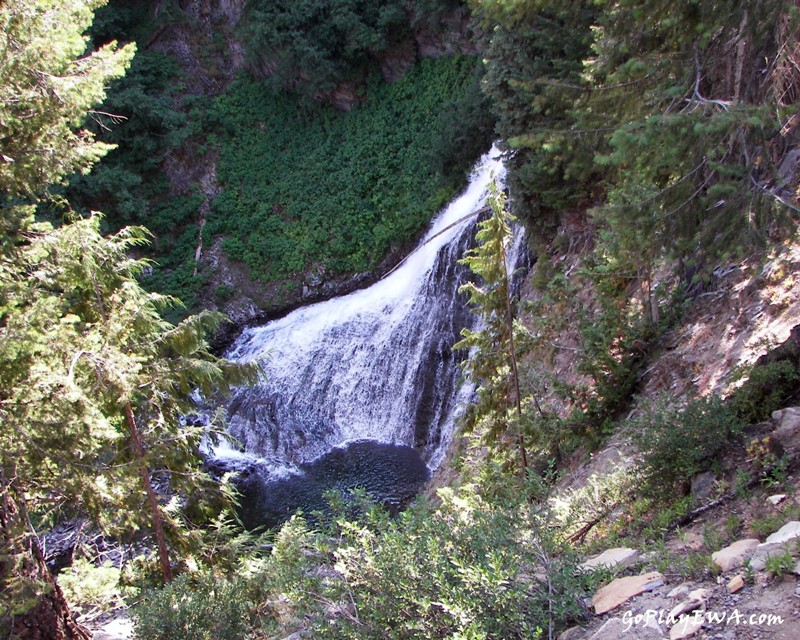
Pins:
<point x="465" y="568"/>
<point x="304" y="183"/>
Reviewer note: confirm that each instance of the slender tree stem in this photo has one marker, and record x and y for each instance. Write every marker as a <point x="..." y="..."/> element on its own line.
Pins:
<point x="158" y="525"/>
<point x="513" y="358"/>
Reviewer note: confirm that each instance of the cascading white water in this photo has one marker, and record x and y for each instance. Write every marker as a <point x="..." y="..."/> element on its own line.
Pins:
<point x="374" y="365"/>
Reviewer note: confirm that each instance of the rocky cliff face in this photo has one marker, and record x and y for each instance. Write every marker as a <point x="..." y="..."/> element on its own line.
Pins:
<point x="204" y="43"/>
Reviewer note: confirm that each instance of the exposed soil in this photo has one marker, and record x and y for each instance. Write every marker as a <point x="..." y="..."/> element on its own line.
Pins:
<point x="747" y="310"/>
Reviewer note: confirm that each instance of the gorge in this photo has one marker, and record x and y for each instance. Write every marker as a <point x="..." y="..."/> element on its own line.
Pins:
<point x="362" y="390"/>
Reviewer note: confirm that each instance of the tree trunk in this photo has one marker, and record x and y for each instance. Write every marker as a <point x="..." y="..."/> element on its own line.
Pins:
<point x="512" y="349"/>
<point x="32" y="606"/>
<point x="158" y="525"/>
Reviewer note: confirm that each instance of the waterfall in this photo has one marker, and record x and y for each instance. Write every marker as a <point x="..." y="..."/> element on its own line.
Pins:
<point x="373" y="366"/>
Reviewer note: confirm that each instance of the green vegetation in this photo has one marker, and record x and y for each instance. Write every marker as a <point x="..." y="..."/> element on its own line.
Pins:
<point x="45" y="94"/>
<point x="493" y="365"/>
<point x="677" y="444"/>
<point x="467" y="568"/>
<point x="305" y="185"/>
<point x="767" y="388"/>
<point x="94" y="380"/>
<point x="661" y="132"/>
<point x="534" y="62"/>
<point x="130" y="183"/>
<point x="661" y="109"/>
<point x="93" y="587"/>
<point x="314" y="47"/>
<point x="195" y="606"/>
<point x="780" y="563"/>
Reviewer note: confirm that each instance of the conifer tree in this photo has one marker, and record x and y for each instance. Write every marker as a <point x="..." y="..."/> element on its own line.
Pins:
<point x="47" y="86"/>
<point x="92" y="379"/>
<point x="534" y="61"/>
<point x="493" y="364"/>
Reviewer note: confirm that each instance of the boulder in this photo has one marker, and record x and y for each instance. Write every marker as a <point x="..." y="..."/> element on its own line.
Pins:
<point x="623" y="589"/>
<point x="784" y="539"/>
<point x="734" y="556"/>
<point x="629" y="629"/>
<point x="686" y="627"/>
<point x="620" y="556"/>
<point x="787" y="432"/>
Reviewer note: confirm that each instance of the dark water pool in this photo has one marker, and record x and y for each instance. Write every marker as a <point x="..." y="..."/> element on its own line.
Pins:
<point x="391" y="474"/>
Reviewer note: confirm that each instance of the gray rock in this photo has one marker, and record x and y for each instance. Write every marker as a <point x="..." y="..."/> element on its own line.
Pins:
<point x="620" y="556"/>
<point x="703" y="486"/>
<point x="695" y="600"/>
<point x="787" y="432"/>
<point x="784" y="539"/>
<point x="734" y="555"/>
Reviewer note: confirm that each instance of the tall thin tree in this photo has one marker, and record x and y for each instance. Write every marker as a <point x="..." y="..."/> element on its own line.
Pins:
<point x="493" y="364"/>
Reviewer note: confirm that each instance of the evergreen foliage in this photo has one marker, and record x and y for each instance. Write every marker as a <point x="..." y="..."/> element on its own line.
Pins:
<point x="146" y="128"/>
<point x="93" y="379"/>
<point x="442" y="117"/>
<point x="534" y="60"/>
<point x="315" y="47"/>
<point x="668" y="125"/>
<point x="493" y="361"/>
<point x="683" y="108"/>
<point x="130" y="185"/>
<point x="48" y="85"/>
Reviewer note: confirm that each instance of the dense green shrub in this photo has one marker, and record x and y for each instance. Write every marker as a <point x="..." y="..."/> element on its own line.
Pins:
<point x="311" y="184"/>
<point x="768" y="387"/>
<point x="677" y="443"/>
<point x="466" y="568"/>
<point x="194" y="607"/>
